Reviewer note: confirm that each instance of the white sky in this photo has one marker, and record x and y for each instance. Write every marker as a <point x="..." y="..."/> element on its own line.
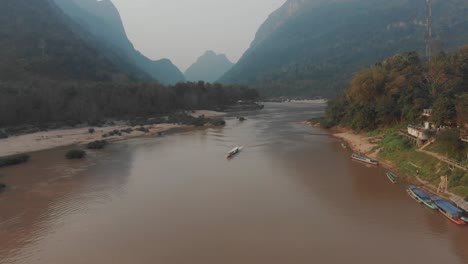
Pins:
<point x="182" y="30"/>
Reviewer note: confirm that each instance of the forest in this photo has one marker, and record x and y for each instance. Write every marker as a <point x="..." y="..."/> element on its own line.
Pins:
<point x="41" y="101"/>
<point x="398" y="89"/>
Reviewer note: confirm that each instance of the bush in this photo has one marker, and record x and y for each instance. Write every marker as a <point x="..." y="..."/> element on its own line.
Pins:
<point x="75" y="154"/>
<point x="3" y="134"/>
<point x="14" y="160"/>
<point x="112" y="133"/>
<point x="143" y="129"/>
<point x="91" y="130"/>
<point x="99" y="144"/>
<point x="219" y="122"/>
<point x="128" y="130"/>
<point x="2" y="186"/>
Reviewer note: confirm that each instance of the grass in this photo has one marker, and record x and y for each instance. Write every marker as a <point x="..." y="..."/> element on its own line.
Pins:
<point x="446" y="150"/>
<point x="402" y="152"/>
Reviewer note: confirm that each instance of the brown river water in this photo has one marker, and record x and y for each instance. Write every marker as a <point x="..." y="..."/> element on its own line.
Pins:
<point x="291" y="196"/>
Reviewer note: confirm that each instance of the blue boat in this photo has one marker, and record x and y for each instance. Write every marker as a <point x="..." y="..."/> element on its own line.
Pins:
<point x="421" y="197"/>
<point x="449" y="210"/>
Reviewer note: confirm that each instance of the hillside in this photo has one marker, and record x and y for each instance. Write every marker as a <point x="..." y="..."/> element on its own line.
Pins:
<point x="209" y="67"/>
<point x="102" y="20"/>
<point x="384" y="99"/>
<point x="313" y="47"/>
<point x="35" y="42"/>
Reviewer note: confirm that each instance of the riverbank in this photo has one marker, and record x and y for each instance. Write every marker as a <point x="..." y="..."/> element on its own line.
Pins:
<point x="73" y="136"/>
<point x="81" y="136"/>
<point x="362" y="143"/>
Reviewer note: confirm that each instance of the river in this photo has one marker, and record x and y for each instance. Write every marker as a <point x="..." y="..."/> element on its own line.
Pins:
<point x="291" y="196"/>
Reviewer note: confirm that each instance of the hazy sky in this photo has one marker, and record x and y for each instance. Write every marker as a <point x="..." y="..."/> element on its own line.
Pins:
<point x="181" y="30"/>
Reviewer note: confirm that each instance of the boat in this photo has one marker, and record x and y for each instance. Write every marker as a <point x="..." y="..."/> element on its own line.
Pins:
<point x="449" y="210"/>
<point x="365" y="159"/>
<point x="421" y="196"/>
<point x="343" y="145"/>
<point x="465" y="217"/>
<point x="234" y="152"/>
<point x="392" y="177"/>
<point x="413" y="195"/>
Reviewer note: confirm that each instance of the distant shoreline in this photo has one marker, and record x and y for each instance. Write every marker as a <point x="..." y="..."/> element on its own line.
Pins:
<point x="56" y="138"/>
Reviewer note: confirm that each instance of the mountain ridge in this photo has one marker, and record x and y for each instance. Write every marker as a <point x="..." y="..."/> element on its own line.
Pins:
<point x="37" y="42"/>
<point x="317" y="46"/>
<point x="209" y="67"/>
<point x="102" y="20"/>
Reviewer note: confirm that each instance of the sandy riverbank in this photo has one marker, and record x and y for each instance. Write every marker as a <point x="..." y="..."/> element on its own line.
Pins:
<point x="207" y="113"/>
<point x="79" y="136"/>
<point x="361" y="143"/>
<point x="74" y="136"/>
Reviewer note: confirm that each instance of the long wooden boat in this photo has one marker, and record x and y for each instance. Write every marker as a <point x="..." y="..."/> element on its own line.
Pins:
<point x="365" y="160"/>
<point x="449" y="210"/>
<point x="233" y="152"/>
<point x="421" y="197"/>
<point x="413" y="195"/>
<point x="392" y="177"/>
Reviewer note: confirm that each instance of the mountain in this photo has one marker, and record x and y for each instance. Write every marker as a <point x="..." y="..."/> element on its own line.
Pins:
<point x="102" y="20"/>
<point x="209" y="67"/>
<point x="35" y="42"/>
<point x="314" y="47"/>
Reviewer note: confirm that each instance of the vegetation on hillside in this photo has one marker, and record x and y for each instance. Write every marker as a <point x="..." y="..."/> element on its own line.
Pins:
<point x="403" y="154"/>
<point x="393" y="94"/>
<point x="315" y="47"/>
<point x="35" y="41"/>
<point x="398" y="89"/>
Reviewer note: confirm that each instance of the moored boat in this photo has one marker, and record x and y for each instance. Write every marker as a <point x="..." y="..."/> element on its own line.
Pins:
<point x="449" y="210"/>
<point x="421" y="196"/>
<point x="234" y="152"/>
<point x="465" y="218"/>
<point x="365" y="159"/>
<point x="413" y="195"/>
<point x="392" y="177"/>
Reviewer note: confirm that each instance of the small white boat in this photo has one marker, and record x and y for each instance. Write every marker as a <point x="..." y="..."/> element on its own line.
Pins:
<point x="343" y="146"/>
<point x="234" y="152"/>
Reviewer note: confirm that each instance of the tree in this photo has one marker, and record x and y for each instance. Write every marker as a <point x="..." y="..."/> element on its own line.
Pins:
<point x="461" y="107"/>
<point x="443" y="112"/>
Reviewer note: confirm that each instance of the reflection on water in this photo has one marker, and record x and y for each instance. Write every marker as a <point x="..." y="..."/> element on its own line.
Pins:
<point x="292" y="196"/>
